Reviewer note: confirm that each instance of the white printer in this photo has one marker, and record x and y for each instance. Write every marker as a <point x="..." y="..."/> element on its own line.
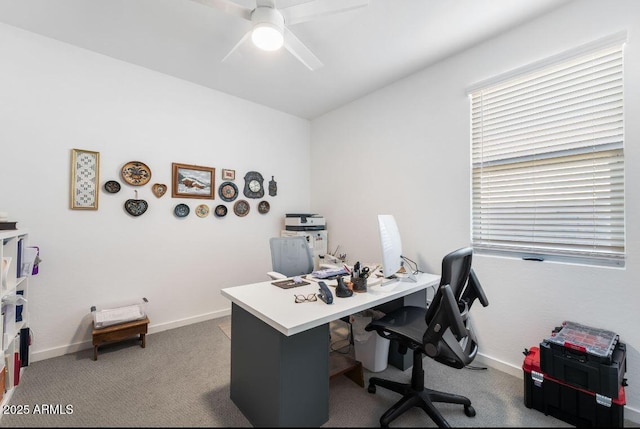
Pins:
<point x="304" y="222"/>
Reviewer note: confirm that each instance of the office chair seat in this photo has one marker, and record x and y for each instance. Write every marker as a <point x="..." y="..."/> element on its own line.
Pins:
<point x="443" y="331"/>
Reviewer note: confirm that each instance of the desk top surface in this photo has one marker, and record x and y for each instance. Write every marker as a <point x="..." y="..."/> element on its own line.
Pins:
<point x="276" y="306"/>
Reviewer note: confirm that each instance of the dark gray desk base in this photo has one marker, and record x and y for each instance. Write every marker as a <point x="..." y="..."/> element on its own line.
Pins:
<point x="278" y="380"/>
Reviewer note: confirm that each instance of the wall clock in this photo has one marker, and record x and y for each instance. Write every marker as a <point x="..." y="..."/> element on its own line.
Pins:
<point x="241" y="208"/>
<point x="228" y="191"/>
<point x="253" y="187"/>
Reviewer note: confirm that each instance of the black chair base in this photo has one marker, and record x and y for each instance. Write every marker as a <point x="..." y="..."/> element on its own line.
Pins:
<point x="414" y="394"/>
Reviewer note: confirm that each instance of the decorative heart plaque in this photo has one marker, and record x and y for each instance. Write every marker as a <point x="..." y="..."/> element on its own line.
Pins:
<point x="135" y="207"/>
<point x="159" y="189"/>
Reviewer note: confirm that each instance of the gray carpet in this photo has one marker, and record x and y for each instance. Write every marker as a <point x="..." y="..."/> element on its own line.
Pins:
<point x="181" y="379"/>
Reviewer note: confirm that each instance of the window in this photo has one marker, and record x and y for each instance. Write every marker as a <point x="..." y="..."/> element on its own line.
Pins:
<point x="548" y="161"/>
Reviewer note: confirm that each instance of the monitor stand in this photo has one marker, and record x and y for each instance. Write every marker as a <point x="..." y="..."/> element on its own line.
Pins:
<point x="402" y="278"/>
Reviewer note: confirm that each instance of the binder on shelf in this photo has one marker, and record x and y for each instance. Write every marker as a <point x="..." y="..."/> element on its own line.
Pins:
<point x="8" y="363"/>
<point x="19" y="259"/>
<point x="19" y="306"/>
<point x="16" y="369"/>
<point x="25" y="342"/>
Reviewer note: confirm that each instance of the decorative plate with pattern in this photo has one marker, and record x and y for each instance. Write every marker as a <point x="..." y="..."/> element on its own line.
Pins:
<point x="228" y="191"/>
<point x="241" y="208"/>
<point x="181" y="210"/>
<point x="220" y="211"/>
<point x="136" y="173"/>
<point x="264" y="207"/>
<point x="159" y="189"/>
<point x="112" y="186"/>
<point x="202" y="210"/>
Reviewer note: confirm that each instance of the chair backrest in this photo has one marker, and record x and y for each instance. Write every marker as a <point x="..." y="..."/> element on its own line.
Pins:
<point x="456" y="267"/>
<point x="449" y="338"/>
<point x="291" y="256"/>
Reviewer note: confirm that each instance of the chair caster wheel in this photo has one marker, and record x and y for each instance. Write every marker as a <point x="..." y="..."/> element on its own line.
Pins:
<point x="371" y="388"/>
<point x="469" y="411"/>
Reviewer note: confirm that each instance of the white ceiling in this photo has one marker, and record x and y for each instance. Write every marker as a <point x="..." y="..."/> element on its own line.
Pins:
<point x="362" y="50"/>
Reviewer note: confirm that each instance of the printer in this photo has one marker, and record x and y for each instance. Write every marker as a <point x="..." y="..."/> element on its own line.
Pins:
<point x="304" y="222"/>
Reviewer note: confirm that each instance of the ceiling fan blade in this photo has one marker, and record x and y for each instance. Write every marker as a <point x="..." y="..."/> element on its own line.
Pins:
<point x="245" y="37"/>
<point x="314" y="9"/>
<point x="300" y="51"/>
<point x="229" y="7"/>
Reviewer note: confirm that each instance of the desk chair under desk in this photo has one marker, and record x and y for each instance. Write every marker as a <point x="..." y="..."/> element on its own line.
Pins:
<point x="280" y="349"/>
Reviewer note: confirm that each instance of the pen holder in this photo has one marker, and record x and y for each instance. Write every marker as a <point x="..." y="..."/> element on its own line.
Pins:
<point x="359" y="284"/>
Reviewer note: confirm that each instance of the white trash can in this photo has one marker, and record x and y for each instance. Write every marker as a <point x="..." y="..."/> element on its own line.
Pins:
<point x="370" y="348"/>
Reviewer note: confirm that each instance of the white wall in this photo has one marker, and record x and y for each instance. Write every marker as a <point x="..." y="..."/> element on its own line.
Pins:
<point x="55" y="97"/>
<point x="405" y="150"/>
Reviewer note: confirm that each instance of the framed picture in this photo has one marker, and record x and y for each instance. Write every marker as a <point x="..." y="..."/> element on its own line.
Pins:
<point x="228" y="174"/>
<point x="85" y="175"/>
<point x="193" y="181"/>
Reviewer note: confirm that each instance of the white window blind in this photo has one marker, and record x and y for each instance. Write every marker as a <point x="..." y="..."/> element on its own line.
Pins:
<point x="548" y="162"/>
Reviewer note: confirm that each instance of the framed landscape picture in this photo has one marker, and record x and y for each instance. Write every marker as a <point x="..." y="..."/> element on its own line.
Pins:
<point x="192" y="181"/>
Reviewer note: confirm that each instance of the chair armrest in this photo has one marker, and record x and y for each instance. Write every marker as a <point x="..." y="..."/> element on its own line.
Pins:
<point x="276" y="276"/>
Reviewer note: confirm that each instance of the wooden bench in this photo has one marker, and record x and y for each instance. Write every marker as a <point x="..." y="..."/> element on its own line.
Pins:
<point x="119" y="332"/>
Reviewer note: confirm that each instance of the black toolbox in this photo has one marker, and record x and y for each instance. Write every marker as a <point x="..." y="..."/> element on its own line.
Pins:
<point x="573" y="405"/>
<point x="584" y="357"/>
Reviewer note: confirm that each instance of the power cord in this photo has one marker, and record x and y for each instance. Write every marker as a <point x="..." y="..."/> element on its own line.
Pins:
<point x="412" y="265"/>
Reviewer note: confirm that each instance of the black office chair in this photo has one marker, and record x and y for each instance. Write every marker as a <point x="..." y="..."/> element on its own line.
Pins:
<point x="442" y="331"/>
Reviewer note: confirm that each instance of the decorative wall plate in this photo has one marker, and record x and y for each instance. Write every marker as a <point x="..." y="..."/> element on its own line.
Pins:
<point x="181" y="210"/>
<point x="228" y="191"/>
<point x="202" y="210"/>
<point x="136" y="173"/>
<point x="220" y="211"/>
<point x="273" y="187"/>
<point x="112" y="186"/>
<point x="136" y="207"/>
<point x="241" y="208"/>
<point x="264" y="207"/>
<point x="159" y="189"/>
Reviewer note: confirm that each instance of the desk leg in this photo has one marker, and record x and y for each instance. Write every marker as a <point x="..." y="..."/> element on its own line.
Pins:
<point x="278" y="380"/>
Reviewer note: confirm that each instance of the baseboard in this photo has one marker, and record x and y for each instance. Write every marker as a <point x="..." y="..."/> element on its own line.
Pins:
<point x="630" y="414"/>
<point x="153" y="328"/>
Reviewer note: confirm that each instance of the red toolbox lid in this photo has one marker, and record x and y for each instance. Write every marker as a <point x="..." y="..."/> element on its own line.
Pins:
<point x="532" y="360"/>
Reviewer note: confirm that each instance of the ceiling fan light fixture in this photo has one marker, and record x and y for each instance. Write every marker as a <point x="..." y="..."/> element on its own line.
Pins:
<point x="267" y="37"/>
<point x="268" y="28"/>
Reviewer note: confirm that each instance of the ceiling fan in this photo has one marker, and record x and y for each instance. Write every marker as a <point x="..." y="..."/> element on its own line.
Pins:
<point x="269" y="24"/>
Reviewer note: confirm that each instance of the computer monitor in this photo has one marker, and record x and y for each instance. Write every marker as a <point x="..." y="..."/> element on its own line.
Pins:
<point x="391" y="247"/>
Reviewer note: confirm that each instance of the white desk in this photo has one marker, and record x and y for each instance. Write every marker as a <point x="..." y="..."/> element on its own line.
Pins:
<point x="280" y="349"/>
